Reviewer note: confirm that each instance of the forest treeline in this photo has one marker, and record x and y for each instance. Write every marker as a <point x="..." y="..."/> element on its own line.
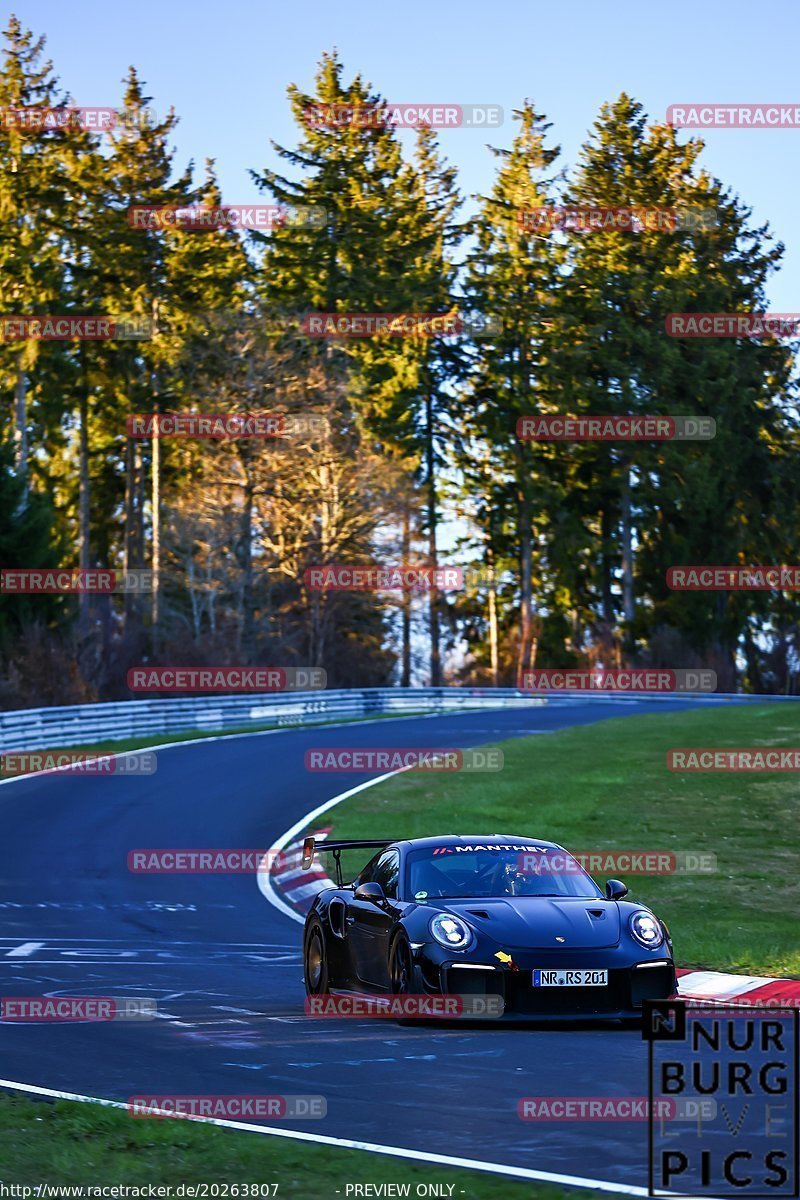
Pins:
<point x="417" y="459"/>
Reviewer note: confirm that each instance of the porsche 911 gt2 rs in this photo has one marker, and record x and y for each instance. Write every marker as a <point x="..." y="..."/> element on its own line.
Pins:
<point x="485" y="916"/>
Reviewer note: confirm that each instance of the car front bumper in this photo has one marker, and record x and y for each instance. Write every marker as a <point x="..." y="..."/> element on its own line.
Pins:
<point x="630" y="981"/>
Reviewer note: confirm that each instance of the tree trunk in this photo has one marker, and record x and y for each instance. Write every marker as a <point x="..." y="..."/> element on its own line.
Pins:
<point x="246" y="563"/>
<point x="155" y="508"/>
<point x="628" y="607"/>
<point x="320" y="605"/>
<point x="606" y="568"/>
<point x="21" y="424"/>
<point x="405" y="679"/>
<point x="527" y="652"/>
<point x="493" y="649"/>
<point x="84" y="496"/>
<point x="754" y="675"/>
<point x="193" y="598"/>
<point x="129" y="535"/>
<point x="526" y="634"/>
<point x="433" y="600"/>
<point x="139" y="472"/>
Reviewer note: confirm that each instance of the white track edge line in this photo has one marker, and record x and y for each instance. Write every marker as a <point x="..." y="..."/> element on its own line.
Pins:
<point x="346" y="1143"/>
<point x="265" y="885"/>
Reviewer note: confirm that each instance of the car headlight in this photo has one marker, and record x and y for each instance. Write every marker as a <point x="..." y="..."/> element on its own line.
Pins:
<point x="451" y="931"/>
<point x="646" y="929"/>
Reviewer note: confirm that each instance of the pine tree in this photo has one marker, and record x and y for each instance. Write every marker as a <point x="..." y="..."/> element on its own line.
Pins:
<point x="512" y="277"/>
<point x="139" y="172"/>
<point x="208" y="281"/>
<point x="35" y="192"/>
<point x="435" y="274"/>
<point x="671" y="499"/>
<point x="380" y="248"/>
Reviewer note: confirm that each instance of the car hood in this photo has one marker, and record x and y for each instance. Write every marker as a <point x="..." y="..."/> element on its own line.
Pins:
<point x="536" y="922"/>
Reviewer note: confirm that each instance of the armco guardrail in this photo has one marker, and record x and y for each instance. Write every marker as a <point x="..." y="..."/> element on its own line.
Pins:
<point x="90" y="724"/>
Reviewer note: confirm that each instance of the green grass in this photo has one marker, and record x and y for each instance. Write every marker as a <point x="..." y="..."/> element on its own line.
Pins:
<point x="74" y="1143"/>
<point x="606" y="786"/>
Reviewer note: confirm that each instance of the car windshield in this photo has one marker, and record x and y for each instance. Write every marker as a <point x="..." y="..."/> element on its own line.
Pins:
<point x="449" y="872"/>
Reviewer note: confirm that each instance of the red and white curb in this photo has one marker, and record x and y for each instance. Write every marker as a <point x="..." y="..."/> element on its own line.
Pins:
<point x="738" y="989"/>
<point x="295" y="886"/>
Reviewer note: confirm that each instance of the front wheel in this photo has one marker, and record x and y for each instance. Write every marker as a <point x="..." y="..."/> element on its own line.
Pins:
<point x="315" y="962"/>
<point x="401" y="968"/>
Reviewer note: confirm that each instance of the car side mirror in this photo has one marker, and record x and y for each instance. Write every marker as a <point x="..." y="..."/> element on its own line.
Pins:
<point x="370" y="891"/>
<point x="615" y="889"/>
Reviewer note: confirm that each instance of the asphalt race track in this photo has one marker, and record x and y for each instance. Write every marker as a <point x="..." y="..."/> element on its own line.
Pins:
<point x="225" y="967"/>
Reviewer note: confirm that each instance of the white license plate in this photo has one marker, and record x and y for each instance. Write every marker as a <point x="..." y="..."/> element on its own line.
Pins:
<point x="579" y="978"/>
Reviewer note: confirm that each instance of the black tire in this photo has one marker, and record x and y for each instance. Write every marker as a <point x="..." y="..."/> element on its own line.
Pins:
<point x="401" y="967"/>
<point x="402" y="974"/>
<point x="315" y="962"/>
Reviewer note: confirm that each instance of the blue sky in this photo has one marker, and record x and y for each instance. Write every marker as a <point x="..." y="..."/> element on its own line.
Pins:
<point x="225" y="67"/>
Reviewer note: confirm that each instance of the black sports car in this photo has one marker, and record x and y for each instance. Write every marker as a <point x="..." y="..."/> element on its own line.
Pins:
<point x="485" y="916"/>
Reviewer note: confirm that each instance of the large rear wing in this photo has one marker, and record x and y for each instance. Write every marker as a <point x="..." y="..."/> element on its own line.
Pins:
<point x="336" y="848"/>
